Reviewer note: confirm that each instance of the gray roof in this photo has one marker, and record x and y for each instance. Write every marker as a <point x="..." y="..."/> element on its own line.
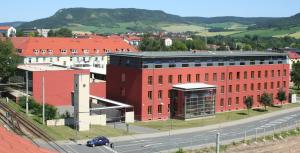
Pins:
<point x="168" y="54"/>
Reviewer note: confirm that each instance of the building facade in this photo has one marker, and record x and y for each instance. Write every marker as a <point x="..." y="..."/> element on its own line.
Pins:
<point x="147" y="80"/>
<point x="8" y="31"/>
<point x="86" y="53"/>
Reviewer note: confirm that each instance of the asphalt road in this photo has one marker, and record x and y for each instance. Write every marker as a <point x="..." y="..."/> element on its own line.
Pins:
<point x="163" y="143"/>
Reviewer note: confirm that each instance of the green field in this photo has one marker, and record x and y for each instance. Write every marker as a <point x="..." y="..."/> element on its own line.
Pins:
<point x="219" y="118"/>
<point x="228" y="25"/>
<point x="270" y="32"/>
<point x="181" y="27"/>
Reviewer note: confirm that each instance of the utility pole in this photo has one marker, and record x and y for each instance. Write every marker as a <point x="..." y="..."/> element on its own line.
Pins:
<point x="218" y="143"/>
<point x="43" y="86"/>
<point x="27" y="92"/>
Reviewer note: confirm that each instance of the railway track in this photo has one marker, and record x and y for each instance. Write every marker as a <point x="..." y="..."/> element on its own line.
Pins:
<point x="16" y="120"/>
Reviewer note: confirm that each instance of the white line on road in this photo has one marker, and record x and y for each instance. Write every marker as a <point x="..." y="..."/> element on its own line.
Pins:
<point x="154" y="144"/>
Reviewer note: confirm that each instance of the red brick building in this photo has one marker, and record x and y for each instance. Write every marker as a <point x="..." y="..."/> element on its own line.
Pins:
<point x="147" y="80"/>
<point x="58" y="83"/>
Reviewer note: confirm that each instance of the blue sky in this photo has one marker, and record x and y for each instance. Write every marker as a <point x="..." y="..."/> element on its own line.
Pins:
<point x="27" y="10"/>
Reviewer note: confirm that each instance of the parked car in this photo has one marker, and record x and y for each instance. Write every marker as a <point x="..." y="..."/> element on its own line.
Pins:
<point x="98" y="141"/>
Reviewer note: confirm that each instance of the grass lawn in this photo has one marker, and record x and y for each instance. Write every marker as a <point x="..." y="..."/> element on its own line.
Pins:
<point x="219" y="118"/>
<point x="66" y="132"/>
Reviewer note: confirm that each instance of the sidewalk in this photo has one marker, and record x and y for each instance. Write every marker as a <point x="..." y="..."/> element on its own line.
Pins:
<point x="198" y="129"/>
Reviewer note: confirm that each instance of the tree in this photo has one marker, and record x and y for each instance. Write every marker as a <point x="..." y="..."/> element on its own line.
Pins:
<point x="295" y="74"/>
<point x="8" y="60"/>
<point x="281" y="96"/>
<point x="266" y="100"/>
<point x="63" y="32"/>
<point x="20" y="33"/>
<point x="178" y="46"/>
<point x="249" y="103"/>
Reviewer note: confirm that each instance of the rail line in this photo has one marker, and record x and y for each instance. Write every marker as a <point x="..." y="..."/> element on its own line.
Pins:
<point x="17" y="119"/>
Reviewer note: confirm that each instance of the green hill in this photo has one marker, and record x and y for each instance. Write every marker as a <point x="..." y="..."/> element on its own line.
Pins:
<point x="130" y="19"/>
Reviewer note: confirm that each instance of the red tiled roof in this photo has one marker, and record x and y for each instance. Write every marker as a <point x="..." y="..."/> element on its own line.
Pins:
<point x="293" y="55"/>
<point x="131" y="38"/>
<point x="96" y="46"/>
<point x="12" y="143"/>
<point x="4" y="27"/>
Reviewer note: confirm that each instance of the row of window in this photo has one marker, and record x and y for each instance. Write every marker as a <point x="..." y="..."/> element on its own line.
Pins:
<point x="222" y="89"/>
<point x="172" y="65"/>
<point x="245" y="86"/>
<point x="237" y="100"/>
<point x="159" y="109"/>
<point x="51" y="59"/>
<point x="74" y="51"/>
<point x="215" y="76"/>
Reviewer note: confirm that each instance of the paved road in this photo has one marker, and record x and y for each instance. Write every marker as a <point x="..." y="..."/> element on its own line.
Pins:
<point x="163" y="143"/>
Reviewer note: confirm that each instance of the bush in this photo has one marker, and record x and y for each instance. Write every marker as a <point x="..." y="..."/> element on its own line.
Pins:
<point x="37" y="109"/>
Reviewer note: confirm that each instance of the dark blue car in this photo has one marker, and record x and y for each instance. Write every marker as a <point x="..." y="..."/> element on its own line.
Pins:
<point x="98" y="141"/>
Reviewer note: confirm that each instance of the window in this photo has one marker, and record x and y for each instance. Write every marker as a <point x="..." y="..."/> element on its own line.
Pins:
<point x="168" y="107"/>
<point x="252" y="74"/>
<point x="169" y="93"/>
<point x="259" y="74"/>
<point x="179" y="79"/>
<point x="170" y="79"/>
<point x="188" y="78"/>
<point x="214" y="76"/>
<point x="230" y="75"/>
<point x="229" y="101"/>
<point x="222" y="102"/>
<point x="284" y="84"/>
<point x="230" y="89"/>
<point x="278" y="73"/>
<point x="278" y="84"/>
<point x="258" y="98"/>
<point x="149" y="110"/>
<point x="172" y="65"/>
<point x="284" y="72"/>
<point x="222" y="89"/>
<point x="238" y="75"/>
<point x="265" y="85"/>
<point x="252" y="86"/>
<point x="272" y="85"/>
<point x="123" y="91"/>
<point x="159" y="109"/>
<point x="158" y="66"/>
<point x="237" y="88"/>
<point x="206" y="76"/>
<point x="160" y="79"/>
<point x="160" y="92"/>
<point x="150" y="80"/>
<point x="266" y="73"/>
<point x="197" y="77"/>
<point x="222" y="76"/>
<point x="150" y="95"/>
<point x="185" y="65"/>
<point x="245" y="87"/>
<point x="237" y="100"/>
<point x="272" y="73"/>
<point x="123" y="79"/>
<point x="245" y="75"/>
<point x="258" y="86"/>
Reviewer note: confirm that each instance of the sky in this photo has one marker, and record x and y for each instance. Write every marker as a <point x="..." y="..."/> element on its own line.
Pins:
<point x="28" y="10"/>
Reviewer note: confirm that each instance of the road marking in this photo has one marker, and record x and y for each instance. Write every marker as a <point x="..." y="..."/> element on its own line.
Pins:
<point x="71" y="148"/>
<point x="110" y="149"/>
<point x="100" y="149"/>
<point x="148" y="145"/>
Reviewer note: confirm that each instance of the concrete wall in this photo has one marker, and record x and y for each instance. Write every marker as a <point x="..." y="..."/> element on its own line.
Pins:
<point x="98" y="120"/>
<point x="60" y="122"/>
<point x="129" y="117"/>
